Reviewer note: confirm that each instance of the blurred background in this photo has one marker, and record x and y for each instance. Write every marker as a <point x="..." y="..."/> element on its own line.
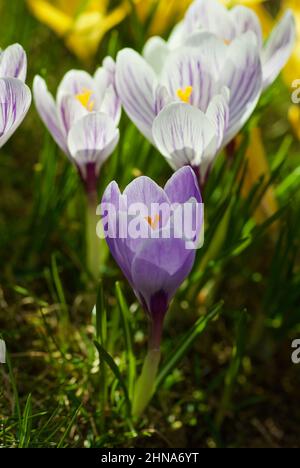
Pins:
<point x="236" y="386"/>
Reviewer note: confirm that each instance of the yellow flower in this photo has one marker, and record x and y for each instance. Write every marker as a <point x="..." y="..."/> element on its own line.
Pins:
<point x="166" y="13"/>
<point x="82" y="23"/>
<point x="292" y="69"/>
<point x="258" y="166"/>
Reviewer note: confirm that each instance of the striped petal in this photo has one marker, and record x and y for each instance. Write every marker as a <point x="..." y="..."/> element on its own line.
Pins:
<point x="184" y="135"/>
<point x="242" y="75"/>
<point x="192" y="67"/>
<point x="246" y="20"/>
<point x="278" y="48"/>
<point x="210" y="16"/>
<point x="136" y="86"/>
<point x="15" y="100"/>
<point x="13" y="63"/>
<point x="92" y="139"/>
<point x="47" y="110"/>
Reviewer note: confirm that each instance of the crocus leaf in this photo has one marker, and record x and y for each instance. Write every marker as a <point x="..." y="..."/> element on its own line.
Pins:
<point x="103" y="354"/>
<point x="186" y="342"/>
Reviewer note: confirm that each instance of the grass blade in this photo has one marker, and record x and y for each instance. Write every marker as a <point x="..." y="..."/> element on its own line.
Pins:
<point x="103" y="354"/>
<point x="125" y="314"/>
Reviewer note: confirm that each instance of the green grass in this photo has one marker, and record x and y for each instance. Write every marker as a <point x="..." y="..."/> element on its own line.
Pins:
<point x="226" y="378"/>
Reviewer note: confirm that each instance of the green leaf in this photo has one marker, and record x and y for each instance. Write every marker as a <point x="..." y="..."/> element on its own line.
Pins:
<point x="25" y="428"/>
<point x="103" y="354"/>
<point x="125" y="314"/>
<point x="186" y="342"/>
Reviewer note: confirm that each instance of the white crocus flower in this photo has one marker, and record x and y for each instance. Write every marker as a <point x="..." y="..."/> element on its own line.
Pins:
<point x="195" y="75"/>
<point x="15" y="96"/>
<point x="84" y="117"/>
<point x="212" y="16"/>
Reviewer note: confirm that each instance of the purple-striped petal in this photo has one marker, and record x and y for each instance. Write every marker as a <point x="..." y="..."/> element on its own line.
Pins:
<point x="111" y="104"/>
<point x="77" y="82"/>
<point x="13" y="62"/>
<point x="184" y="135"/>
<point x="69" y="111"/>
<point x="136" y="86"/>
<point x="47" y="110"/>
<point x="242" y="74"/>
<point x="194" y="68"/>
<point x="92" y="139"/>
<point x="278" y="48"/>
<point x="246" y="20"/>
<point x="211" y="16"/>
<point x="105" y="77"/>
<point x="15" y="100"/>
<point x="218" y="114"/>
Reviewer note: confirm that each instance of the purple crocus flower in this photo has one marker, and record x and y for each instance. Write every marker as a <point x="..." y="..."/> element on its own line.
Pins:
<point x="15" y="96"/>
<point x="84" y="118"/>
<point x="157" y="263"/>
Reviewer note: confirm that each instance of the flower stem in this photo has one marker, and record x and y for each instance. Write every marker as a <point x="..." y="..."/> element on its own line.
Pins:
<point x="145" y="385"/>
<point x="96" y="247"/>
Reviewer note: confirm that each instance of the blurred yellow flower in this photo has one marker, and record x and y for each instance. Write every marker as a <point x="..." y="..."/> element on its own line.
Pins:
<point x="294" y="118"/>
<point x="258" y="166"/>
<point x="165" y="13"/>
<point x="82" y="23"/>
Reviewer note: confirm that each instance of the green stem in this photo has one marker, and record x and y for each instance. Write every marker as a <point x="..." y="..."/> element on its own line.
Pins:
<point x="145" y="385"/>
<point x="96" y="247"/>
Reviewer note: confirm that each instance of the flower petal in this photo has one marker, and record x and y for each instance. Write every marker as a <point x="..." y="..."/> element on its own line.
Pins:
<point x="145" y="190"/>
<point x="184" y="135"/>
<point x="136" y="85"/>
<point x="196" y="68"/>
<point x="47" y="110"/>
<point x="111" y="105"/>
<point x="69" y="110"/>
<point x="93" y="139"/>
<point x="278" y="48"/>
<point x="155" y="52"/>
<point x="159" y="268"/>
<point x="218" y="114"/>
<point x="211" y="16"/>
<point x="13" y="62"/>
<point x="183" y="186"/>
<point x="76" y="82"/>
<point x="15" y="100"/>
<point x="242" y="74"/>
<point x="246" y="20"/>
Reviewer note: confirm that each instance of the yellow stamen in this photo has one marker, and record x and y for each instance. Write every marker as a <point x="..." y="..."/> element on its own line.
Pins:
<point x="85" y="99"/>
<point x="153" y="223"/>
<point x="226" y="42"/>
<point x="185" y="94"/>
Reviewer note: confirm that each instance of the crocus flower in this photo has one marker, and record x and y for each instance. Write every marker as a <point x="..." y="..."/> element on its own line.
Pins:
<point x="83" y="120"/>
<point x="15" y="96"/>
<point x="82" y="24"/>
<point x="154" y="264"/>
<point x="212" y="16"/>
<point x="195" y="74"/>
